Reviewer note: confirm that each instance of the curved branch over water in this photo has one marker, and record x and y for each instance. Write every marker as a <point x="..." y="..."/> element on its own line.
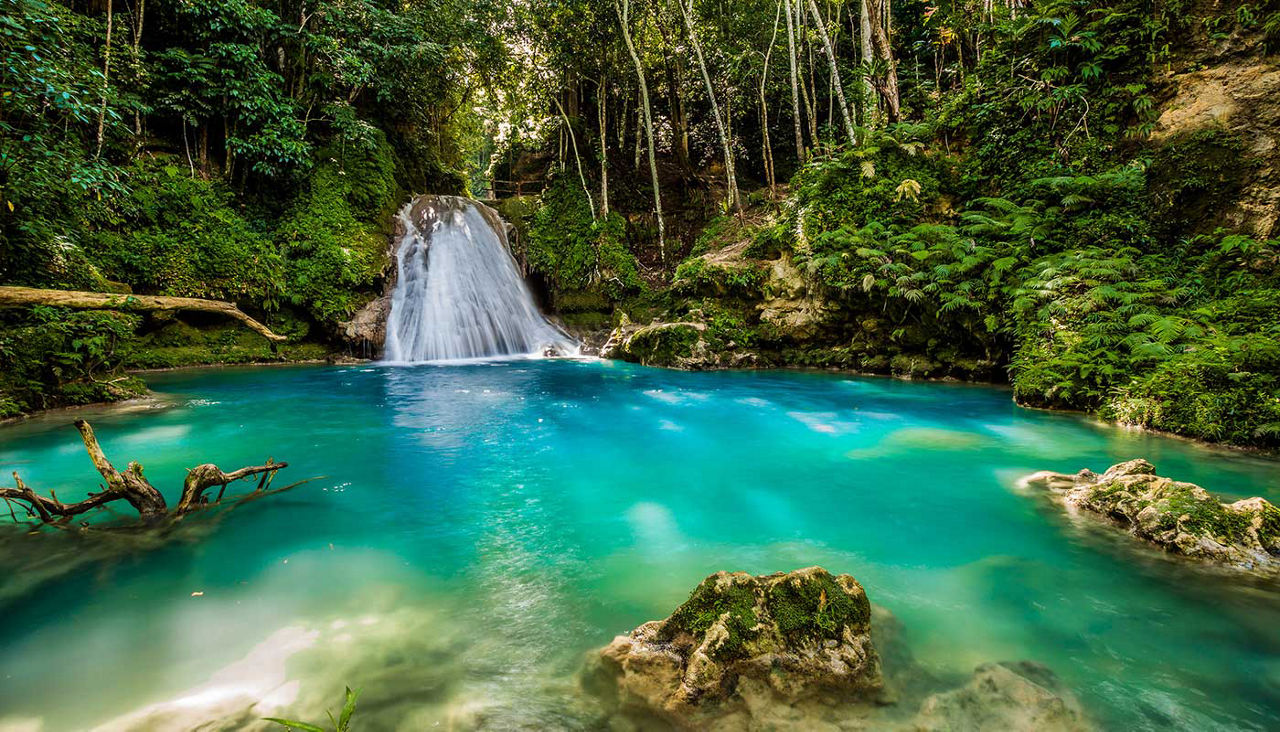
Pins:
<point x="28" y="296"/>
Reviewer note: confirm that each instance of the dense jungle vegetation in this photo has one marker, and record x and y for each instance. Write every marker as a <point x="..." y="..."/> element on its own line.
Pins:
<point x="984" y="190"/>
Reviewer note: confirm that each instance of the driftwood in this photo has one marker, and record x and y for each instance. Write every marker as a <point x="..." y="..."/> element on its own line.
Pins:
<point x="132" y="487"/>
<point x="28" y="296"/>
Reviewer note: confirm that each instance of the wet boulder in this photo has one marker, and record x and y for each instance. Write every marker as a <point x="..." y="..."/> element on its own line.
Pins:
<point x="746" y="652"/>
<point x="1183" y="518"/>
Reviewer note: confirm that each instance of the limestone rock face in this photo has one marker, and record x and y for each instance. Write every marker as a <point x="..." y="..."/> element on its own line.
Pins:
<point x="368" y="327"/>
<point x="1183" y="518"/>
<point x="1005" y="696"/>
<point x="745" y="649"/>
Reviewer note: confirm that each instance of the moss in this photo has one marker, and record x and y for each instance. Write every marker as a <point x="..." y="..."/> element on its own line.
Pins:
<point x="706" y="605"/>
<point x="815" y="608"/>
<point x="1193" y="178"/>
<point x="1205" y="515"/>
<point x="698" y="276"/>
<point x="583" y="301"/>
<point x="663" y="345"/>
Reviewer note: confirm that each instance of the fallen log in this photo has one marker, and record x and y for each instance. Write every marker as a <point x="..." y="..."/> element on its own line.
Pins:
<point x="29" y="296"/>
<point x="133" y="487"/>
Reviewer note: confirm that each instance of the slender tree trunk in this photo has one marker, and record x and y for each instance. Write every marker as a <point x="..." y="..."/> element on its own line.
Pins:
<point x="602" y="98"/>
<point x="864" y="43"/>
<point x="806" y="86"/>
<point x="573" y="139"/>
<point x="635" y="165"/>
<point x="623" y="8"/>
<point x="831" y="82"/>
<point x="622" y="120"/>
<point x="106" y="76"/>
<point x="764" y="105"/>
<point x="795" y="83"/>
<point x="204" y="149"/>
<point x="880" y="41"/>
<point x="813" y="80"/>
<point x="675" y="98"/>
<point x="835" y="73"/>
<point x="730" y="175"/>
<point x="137" y="63"/>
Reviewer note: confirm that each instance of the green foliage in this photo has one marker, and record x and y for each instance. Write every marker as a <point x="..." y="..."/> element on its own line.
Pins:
<point x="53" y="357"/>
<point x="699" y="275"/>
<point x="575" y="253"/>
<point x="331" y="240"/>
<point x="174" y="234"/>
<point x="341" y="723"/>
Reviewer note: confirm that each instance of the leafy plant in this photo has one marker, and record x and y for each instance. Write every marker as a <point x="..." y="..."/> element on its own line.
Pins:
<point x="341" y="723"/>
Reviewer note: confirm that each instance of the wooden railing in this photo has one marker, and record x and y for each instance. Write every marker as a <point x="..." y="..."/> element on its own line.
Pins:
<point x="508" y="188"/>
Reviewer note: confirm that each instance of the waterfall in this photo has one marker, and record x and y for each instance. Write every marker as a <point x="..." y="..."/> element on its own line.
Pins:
<point x="459" y="293"/>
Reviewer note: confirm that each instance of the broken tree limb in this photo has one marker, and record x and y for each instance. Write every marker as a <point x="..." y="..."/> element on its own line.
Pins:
<point x="203" y="477"/>
<point x="131" y="486"/>
<point x="28" y="296"/>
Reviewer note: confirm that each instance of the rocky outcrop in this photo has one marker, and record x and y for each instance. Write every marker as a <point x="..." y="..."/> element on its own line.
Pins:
<point x="367" y="329"/>
<point x="1183" y="518"/>
<point x="742" y="647"/>
<point x="1242" y="96"/>
<point x="1004" y="696"/>
<point x="795" y="651"/>
<point x="681" y="345"/>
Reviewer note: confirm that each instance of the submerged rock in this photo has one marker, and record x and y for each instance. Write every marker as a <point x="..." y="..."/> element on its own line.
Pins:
<point x="1183" y="518"/>
<point x="1005" y="696"/>
<point x="746" y="651"/>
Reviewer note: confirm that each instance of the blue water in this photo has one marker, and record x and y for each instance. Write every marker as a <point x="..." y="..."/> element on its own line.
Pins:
<point x="479" y="528"/>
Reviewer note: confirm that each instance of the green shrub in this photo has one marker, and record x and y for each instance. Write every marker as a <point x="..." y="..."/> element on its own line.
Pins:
<point x="575" y="253"/>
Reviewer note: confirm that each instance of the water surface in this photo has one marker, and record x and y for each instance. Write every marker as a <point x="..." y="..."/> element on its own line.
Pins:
<point x="480" y="528"/>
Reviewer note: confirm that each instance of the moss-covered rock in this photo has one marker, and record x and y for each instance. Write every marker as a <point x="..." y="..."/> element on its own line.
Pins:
<point x="743" y="644"/>
<point x="1183" y="518"/>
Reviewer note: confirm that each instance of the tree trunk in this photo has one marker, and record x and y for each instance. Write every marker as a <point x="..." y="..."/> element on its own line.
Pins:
<point x="602" y="98"/>
<point x="675" y="99"/>
<point x="868" y="89"/>
<point x="623" y="8"/>
<point x="106" y="76"/>
<point x="795" y="83"/>
<point x="730" y="175"/>
<point x="137" y="64"/>
<point x="880" y="41"/>
<point x="806" y="87"/>
<point x="573" y="139"/>
<point x="27" y="296"/>
<point x="835" y="73"/>
<point x="767" y="146"/>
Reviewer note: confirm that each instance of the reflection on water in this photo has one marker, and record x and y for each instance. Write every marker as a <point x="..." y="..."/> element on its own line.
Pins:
<point x="479" y="528"/>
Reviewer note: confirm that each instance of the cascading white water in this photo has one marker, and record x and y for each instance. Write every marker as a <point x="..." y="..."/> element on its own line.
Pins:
<point x="459" y="294"/>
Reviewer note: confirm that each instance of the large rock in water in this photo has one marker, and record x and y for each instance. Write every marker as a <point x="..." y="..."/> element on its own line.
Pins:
<point x="742" y="647"/>
<point x="1181" y="517"/>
